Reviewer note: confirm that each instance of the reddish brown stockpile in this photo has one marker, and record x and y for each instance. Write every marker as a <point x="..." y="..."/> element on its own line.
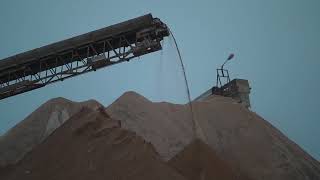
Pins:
<point x="199" y="161"/>
<point x="92" y="146"/>
<point x="36" y="127"/>
<point x="247" y="142"/>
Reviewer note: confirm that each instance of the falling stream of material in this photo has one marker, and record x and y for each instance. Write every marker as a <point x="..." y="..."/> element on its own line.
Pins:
<point x="195" y="126"/>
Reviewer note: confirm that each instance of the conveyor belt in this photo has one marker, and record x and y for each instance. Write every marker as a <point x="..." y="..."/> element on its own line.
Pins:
<point x="91" y="51"/>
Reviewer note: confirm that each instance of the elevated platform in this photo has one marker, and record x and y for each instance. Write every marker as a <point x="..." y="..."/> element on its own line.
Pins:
<point x="238" y="89"/>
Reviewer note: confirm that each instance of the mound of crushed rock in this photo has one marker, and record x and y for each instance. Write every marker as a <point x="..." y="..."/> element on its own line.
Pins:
<point x="237" y="144"/>
<point x="35" y="128"/>
<point x="92" y="146"/>
<point x="247" y="142"/>
<point x="199" y="161"/>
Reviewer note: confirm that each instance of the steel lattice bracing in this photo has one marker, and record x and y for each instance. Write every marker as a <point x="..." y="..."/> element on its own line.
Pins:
<point x="81" y="54"/>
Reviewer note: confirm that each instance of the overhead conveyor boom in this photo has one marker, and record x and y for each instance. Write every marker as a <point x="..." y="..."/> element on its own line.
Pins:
<point x="88" y="52"/>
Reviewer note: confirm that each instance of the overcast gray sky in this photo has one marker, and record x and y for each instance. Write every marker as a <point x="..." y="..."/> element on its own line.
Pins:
<point x="276" y="43"/>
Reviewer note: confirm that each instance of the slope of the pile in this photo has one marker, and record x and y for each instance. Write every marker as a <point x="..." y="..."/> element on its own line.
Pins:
<point x="90" y="145"/>
<point x="166" y="125"/>
<point x="199" y="162"/>
<point x="252" y="144"/>
<point x="246" y="141"/>
<point x="31" y="131"/>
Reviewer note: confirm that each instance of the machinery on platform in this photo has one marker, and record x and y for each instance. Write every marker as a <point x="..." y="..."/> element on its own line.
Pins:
<point x="237" y="89"/>
<point x="81" y="54"/>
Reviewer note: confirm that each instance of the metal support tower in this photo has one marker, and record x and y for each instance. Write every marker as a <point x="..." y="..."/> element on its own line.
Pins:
<point x="222" y="77"/>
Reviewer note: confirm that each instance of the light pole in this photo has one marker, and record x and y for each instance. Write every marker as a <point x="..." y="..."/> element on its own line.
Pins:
<point x="231" y="56"/>
<point x="223" y="73"/>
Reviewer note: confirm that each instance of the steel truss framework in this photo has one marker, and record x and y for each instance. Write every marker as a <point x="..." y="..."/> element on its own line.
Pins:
<point x="223" y="86"/>
<point x="60" y="66"/>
